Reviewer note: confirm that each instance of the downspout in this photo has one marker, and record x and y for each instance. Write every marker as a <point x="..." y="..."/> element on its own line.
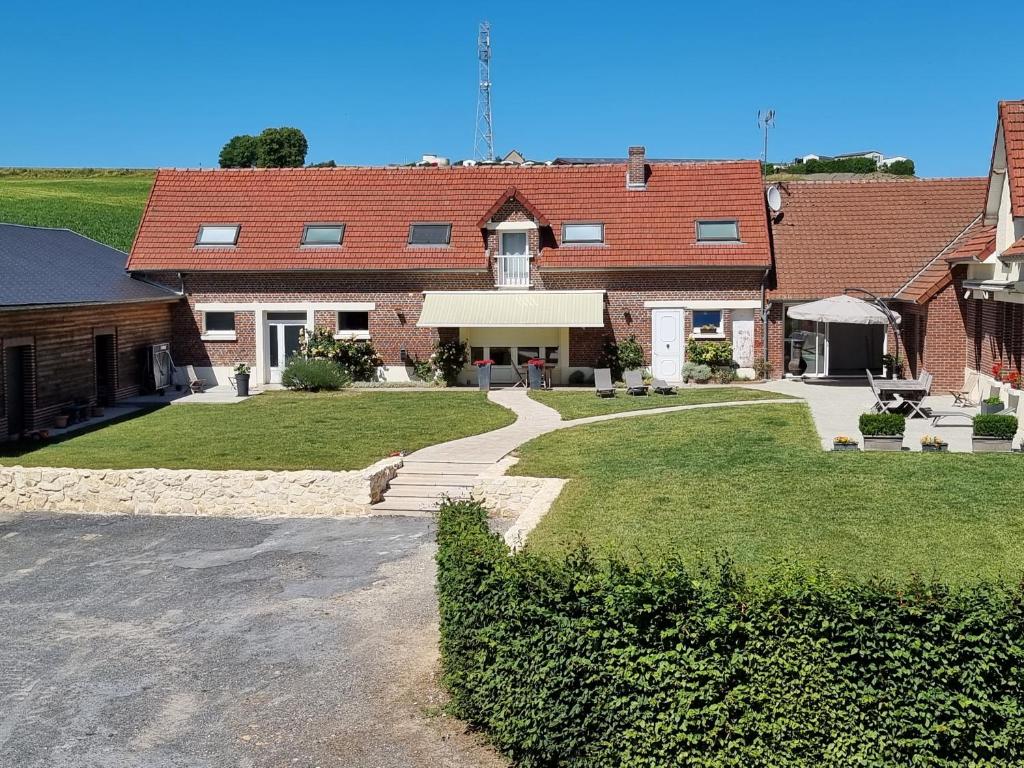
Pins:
<point x="765" y="310"/>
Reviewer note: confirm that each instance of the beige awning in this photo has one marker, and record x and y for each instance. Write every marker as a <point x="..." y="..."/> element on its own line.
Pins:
<point x="508" y="309"/>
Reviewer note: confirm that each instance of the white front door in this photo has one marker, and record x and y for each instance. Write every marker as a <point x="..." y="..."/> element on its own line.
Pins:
<point x="743" y="337"/>
<point x="283" y="335"/>
<point x="667" y="348"/>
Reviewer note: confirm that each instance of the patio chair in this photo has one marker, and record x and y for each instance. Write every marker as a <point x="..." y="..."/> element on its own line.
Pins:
<point x="881" y="406"/>
<point x="659" y="386"/>
<point x="962" y="397"/>
<point x="920" y="392"/>
<point x="195" y="384"/>
<point x="634" y="383"/>
<point x="603" y="382"/>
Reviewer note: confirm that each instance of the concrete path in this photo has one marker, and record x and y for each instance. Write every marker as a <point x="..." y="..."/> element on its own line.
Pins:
<point x="452" y="469"/>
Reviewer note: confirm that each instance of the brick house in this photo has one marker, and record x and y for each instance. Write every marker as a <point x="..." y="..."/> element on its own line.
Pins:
<point x="73" y="326"/>
<point x="519" y="261"/>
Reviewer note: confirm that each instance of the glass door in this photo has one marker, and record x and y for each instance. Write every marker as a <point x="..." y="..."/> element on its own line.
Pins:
<point x="284" y="333"/>
<point x="809" y="339"/>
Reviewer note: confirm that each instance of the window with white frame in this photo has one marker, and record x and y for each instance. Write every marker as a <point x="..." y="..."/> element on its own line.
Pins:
<point x="583" y="233"/>
<point x="718" y="231"/>
<point x="707" y="322"/>
<point x="223" y="235"/>
<point x="323" y="235"/>
<point x="515" y="244"/>
<point x="353" y="324"/>
<point x="219" y="326"/>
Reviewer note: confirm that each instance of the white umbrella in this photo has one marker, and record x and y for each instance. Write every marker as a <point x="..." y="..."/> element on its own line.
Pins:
<point x="842" y="309"/>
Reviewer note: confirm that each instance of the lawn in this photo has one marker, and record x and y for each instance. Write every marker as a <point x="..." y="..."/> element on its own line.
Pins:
<point x="103" y="205"/>
<point x="276" y="430"/>
<point x="753" y="482"/>
<point x="577" y="405"/>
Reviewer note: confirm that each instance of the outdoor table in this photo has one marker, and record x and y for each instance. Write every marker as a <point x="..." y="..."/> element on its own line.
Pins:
<point x="911" y="391"/>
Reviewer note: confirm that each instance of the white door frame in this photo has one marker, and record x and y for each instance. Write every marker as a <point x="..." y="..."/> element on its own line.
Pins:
<point x="265" y="327"/>
<point x="680" y="354"/>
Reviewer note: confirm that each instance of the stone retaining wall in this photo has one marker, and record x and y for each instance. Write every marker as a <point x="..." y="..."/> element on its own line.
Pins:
<point x="232" y="493"/>
<point x="525" y="499"/>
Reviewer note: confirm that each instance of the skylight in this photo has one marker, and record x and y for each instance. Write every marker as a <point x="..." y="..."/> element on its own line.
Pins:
<point x="591" y="232"/>
<point x="323" y="234"/>
<point x="430" y="234"/>
<point x="217" y="234"/>
<point x="720" y="231"/>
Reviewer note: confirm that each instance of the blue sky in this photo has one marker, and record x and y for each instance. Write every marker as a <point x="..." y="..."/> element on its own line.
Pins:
<point x="166" y="84"/>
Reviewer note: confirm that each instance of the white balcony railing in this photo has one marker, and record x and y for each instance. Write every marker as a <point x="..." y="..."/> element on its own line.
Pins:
<point x="512" y="271"/>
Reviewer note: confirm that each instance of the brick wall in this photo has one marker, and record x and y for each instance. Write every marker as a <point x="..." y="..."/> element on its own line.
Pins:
<point x="934" y="336"/>
<point x="995" y="332"/>
<point x="61" y="353"/>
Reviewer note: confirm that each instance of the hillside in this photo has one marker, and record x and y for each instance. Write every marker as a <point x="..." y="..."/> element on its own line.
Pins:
<point x="105" y="205"/>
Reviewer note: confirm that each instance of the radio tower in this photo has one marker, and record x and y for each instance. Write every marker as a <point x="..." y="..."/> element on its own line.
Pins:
<point x="483" y="144"/>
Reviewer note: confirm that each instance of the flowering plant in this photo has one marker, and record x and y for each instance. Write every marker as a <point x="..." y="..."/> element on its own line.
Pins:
<point x="478" y="363"/>
<point x="1013" y="377"/>
<point x="843" y="440"/>
<point x="997" y="370"/>
<point x="932" y="440"/>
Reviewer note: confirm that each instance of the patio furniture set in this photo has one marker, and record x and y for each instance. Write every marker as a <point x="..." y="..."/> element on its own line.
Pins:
<point x="634" y="382"/>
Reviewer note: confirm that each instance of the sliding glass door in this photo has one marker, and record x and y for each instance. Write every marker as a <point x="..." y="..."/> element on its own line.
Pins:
<point x="808" y="339"/>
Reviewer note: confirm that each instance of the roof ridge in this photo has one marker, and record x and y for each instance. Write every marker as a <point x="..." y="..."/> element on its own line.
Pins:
<point x="40" y="226"/>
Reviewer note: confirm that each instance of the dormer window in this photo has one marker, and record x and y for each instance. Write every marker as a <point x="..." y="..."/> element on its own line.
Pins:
<point x="718" y="231"/>
<point x="323" y="235"/>
<point x="217" y="234"/>
<point x="430" y="234"/>
<point x="583" y="233"/>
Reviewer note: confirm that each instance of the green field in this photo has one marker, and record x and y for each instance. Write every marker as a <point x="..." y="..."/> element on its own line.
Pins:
<point x="753" y="482"/>
<point x="103" y="205"/>
<point x="582" y="403"/>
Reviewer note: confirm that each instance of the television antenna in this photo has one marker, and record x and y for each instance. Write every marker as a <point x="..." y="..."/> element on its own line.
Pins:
<point x="765" y="121"/>
<point x="483" y="144"/>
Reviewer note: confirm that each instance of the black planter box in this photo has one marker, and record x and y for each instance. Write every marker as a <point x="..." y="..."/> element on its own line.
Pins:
<point x="883" y="443"/>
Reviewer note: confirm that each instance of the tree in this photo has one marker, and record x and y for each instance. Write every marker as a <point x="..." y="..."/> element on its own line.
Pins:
<point x="281" y="148"/>
<point x="240" y="152"/>
<point x="900" y="168"/>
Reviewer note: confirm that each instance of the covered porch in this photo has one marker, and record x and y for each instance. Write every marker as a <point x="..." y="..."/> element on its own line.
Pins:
<point x="841" y="336"/>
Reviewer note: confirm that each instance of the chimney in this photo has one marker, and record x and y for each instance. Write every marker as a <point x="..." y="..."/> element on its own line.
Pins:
<point x="636" y="170"/>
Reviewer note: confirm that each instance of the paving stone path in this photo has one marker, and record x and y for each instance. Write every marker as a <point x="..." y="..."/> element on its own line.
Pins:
<point x="452" y="469"/>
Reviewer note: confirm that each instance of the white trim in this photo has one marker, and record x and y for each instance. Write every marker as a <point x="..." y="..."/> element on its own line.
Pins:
<point x="704" y="304"/>
<point x="491" y="292"/>
<point x="511" y="226"/>
<point x="219" y="336"/>
<point x="285" y="306"/>
<point x="352" y="336"/>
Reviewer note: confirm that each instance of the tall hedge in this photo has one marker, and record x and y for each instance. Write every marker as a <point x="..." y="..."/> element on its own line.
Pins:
<point x="578" y="663"/>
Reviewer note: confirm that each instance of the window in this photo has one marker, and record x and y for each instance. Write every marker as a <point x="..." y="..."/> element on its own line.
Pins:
<point x="353" y="323"/>
<point x="323" y="234"/>
<point x="219" y="325"/>
<point x="501" y="355"/>
<point x="707" y="322"/>
<point x="582" y="233"/>
<point x="430" y="234"/>
<point x="217" y="234"/>
<point x="718" y="231"/>
<point x="514" y="244"/>
<point x="526" y="354"/>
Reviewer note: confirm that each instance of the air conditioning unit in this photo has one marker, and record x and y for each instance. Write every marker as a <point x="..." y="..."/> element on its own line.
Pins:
<point x="157" y="367"/>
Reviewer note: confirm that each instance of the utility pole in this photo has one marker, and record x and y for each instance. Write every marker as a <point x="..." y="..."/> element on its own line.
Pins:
<point x="483" y="144"/>
<point x="766" y="121"/>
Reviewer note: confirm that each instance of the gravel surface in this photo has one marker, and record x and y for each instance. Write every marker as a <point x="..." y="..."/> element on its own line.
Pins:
<point x="160" y="642"/>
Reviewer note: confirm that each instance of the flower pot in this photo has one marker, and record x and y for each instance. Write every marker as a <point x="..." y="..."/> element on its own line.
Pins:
<point x="242" y="384"/>
<point x="845" y="447"/>
<point x="61" y="422"/>
<point x="483" y="377"/>
<point x="883" y="443"/>
<point x="935" y="448"/>
<point x="991" y="444"/>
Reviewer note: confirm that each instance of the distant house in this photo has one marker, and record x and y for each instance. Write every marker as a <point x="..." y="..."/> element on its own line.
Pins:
<point x="872" y="154"/>
<point x="74" y="327"/>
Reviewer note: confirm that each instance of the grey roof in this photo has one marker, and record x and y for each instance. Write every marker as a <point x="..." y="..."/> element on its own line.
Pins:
<point x="42" y="266"/>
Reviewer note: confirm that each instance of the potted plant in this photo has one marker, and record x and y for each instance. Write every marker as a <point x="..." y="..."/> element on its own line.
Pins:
<point x="844" y="443"/>
<point x="708" y="328"/>
<point x="993" y="433"/>
<point x="991" y="405"/>
<point x="1013" y="379"/>
<point x="893" y="365"/>
<point x="60" y="421"/>
<point x="483" y="374"/>
<point x="933" y="444"/>
<point x="535" y="373"/>
<point x="242" y="371"/>
<point x="883" y="431"/>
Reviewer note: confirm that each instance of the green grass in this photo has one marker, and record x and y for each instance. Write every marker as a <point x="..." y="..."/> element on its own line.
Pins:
<point x="577" y="405"/>
<point x="276" y="430"/>
<point x="754" y="483"/>
<point x="103" y="205"/>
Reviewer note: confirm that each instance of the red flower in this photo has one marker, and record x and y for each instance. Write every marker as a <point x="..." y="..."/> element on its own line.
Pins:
<point x="1014" y="378"/>
<point x="997" y="370"/>
<point x="483" y="362"/>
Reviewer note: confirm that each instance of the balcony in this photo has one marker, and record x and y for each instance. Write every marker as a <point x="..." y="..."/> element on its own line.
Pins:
<point x="512" y="271"/>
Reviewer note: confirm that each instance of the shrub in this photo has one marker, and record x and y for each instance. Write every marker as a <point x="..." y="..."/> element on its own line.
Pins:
<point x="724" y="374"/>
<point x="631" y="354"/>
<point x="697" y="372"/>
<point x="763" y="368"/>
<point x="313" y="375"/>
<point x="882" y="424"/>
<point x="900" y="168"/>
<point x="995" y="425"/>
<point x="572" y="662"/>
<point x="449" y="359"/>
<point x="358" y="359"/>
<point x="711" y="353"/>
<point x="423" y="370"/>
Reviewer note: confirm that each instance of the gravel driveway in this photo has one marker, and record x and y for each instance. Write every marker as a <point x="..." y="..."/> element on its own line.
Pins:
<point x="152" y="641"/>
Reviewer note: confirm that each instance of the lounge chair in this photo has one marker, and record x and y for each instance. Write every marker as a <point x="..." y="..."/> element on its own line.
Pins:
<point x="195" y="384"/>
<point x="962" y="397"/>
<point x="634" y="383"/>
<point x="659" y="386"/>
<point x="603" y="382"/>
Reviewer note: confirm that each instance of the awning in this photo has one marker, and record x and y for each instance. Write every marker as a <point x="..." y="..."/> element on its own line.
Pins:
<point x="841" y="309"/>
<point x="520" y="309"/>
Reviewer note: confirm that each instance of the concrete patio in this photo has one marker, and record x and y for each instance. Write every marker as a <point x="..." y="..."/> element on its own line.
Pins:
<point x="836" y="406"/>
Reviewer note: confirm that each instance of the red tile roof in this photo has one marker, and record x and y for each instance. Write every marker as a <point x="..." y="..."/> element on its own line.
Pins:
<point x="1011" y="115"/>
<point x="1015" y="249"/>
<point x="975" y="243"/>
<point x="651" y="228"/>
<point x="872" y="234"/>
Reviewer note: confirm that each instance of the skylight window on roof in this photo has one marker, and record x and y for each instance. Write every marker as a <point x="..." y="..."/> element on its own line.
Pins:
<point x="430" y="234"/>
<point x="721" y="231"/>
<point x="592" y="233"/>
<point x="323" y="234"/>
<point x="217" y="234"/>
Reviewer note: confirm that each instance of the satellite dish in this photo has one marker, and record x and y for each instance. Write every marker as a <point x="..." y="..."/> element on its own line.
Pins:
<point x="774" y="198"/>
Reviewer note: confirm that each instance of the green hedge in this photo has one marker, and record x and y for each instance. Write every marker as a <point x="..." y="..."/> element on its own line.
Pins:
<point x="995" y="425"/>
<point x="876" y="424"/>
<point x="576" y="663"/>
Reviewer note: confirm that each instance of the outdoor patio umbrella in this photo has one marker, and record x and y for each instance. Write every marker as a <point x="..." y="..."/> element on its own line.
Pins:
<point x="843" y="309"/>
